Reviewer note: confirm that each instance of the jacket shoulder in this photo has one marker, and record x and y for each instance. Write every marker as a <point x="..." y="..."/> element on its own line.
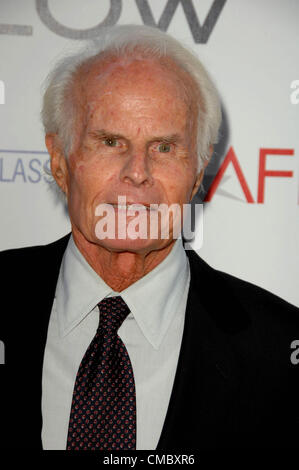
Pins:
<point x="41" y="263"/>
<point x="227" y="292"/>
<point x="258" y="301"/>
<point x="33" y="252"/>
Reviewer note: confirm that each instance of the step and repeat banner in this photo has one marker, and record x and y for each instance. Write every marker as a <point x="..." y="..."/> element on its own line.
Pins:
<point x="250" y="190"/>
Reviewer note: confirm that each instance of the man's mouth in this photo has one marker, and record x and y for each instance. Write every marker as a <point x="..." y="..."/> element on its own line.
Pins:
<point x="137" y="206"/>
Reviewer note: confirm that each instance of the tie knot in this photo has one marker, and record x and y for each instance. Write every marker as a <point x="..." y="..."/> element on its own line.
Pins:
<point x="113" y="311"/>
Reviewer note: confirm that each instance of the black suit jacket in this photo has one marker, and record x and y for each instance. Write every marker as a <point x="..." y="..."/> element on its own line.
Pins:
<point x="235" y="385"/>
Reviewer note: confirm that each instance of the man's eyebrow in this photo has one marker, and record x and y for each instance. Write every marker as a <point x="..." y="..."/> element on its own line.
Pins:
<point x="169" y="139"/>
<point x="102" y="133"/>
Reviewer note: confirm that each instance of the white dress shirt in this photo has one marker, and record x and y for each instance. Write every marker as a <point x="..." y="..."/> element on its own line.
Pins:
<point x="152" y="334"/>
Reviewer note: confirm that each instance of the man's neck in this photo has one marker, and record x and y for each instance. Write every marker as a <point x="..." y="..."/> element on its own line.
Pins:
<point x="120" y="269"/>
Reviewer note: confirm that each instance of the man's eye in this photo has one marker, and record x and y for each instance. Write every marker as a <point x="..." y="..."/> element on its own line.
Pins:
<point x="110" y="142"/>
<point x="164" y="148"/>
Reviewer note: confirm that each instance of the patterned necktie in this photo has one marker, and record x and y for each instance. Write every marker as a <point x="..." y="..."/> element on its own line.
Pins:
<point x="103" y="413"/>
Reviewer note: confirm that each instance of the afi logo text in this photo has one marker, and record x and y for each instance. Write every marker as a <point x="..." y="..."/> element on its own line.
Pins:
<point x="263" y="173"/>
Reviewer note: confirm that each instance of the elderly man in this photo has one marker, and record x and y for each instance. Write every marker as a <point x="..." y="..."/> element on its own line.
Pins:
<point x="130" y="343"/>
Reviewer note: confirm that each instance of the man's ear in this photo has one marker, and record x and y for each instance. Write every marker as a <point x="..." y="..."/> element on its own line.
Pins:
<point x="59" y="167"/>
<point x="200" y="175"/>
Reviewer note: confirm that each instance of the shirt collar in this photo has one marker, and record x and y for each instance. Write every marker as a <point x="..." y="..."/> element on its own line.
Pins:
<point x="153" y="300"/>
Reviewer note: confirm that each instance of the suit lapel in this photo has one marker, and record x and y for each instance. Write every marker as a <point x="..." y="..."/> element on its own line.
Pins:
<point x="205" y="389"/>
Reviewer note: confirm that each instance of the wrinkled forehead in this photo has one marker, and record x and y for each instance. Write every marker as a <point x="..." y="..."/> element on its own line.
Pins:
<point x="138" y="77"/>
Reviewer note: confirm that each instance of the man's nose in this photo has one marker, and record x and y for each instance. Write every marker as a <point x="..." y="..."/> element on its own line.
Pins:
<point x="136" y="170"/>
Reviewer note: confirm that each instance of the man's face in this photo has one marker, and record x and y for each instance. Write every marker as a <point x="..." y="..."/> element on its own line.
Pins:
<point x="137" y="140"/>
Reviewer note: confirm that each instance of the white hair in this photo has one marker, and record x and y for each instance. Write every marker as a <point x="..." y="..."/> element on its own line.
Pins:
<point x="59" y="106"/>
